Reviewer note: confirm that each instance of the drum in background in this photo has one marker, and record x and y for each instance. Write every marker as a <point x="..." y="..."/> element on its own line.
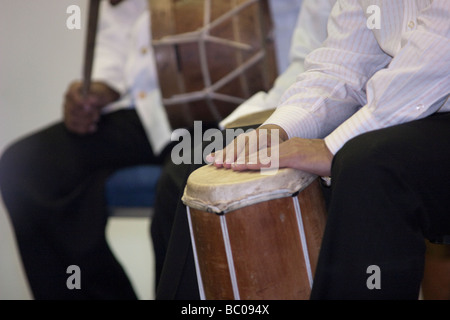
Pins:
<point x="252" y="119"/>
<point x="211" y="55"/>
<point x="255" y="236"/>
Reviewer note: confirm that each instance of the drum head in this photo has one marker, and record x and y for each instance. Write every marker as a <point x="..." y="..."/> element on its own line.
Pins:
<point x="220" y="190"/>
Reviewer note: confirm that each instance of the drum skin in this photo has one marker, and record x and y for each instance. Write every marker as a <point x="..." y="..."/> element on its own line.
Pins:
<point x="199" y="45"/>
<point x="265" y="241"/>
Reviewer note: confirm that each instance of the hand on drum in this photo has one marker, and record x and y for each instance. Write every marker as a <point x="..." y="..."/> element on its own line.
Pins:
<point x="269" y="147"/>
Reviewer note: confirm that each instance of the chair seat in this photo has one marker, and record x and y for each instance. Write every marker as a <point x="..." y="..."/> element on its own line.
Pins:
<point x="133" y="187"/>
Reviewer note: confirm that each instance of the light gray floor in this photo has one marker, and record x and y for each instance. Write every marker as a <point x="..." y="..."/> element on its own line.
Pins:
<point x="130" y="240"/>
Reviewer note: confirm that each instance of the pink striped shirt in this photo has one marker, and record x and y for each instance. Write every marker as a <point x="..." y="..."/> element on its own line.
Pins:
<point x="365" y="78"/>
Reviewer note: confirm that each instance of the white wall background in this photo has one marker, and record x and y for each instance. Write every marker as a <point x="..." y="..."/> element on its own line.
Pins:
<point x="39" y="56"/>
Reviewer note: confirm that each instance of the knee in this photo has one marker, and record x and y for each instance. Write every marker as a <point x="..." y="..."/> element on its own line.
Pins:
<point x="10" y="183"/>
<point x="10" y="166"/>
<point x="368" y="157"/>
<point x="15" y="166"/>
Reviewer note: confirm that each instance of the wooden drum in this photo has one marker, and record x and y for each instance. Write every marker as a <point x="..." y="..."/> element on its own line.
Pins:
<point x="255" y="236"/>
<point x="211" y="55"/>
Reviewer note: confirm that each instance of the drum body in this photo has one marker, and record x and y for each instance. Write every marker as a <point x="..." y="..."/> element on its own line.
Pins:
<point x="211" y="55"/>
<point x="255" y="237"/>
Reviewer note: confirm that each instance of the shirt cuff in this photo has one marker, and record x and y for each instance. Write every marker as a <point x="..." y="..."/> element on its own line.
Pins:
<point x="361" y="122"/>
<point x="296" y="121"/>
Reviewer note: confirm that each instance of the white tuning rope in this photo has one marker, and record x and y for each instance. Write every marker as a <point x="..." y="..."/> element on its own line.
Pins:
<point x="194" y="37"/>
<point x="301" y="230"/>
<point x="201" y="289"/>
<point x="209" y="91"/>
<point x="229" y="253"/>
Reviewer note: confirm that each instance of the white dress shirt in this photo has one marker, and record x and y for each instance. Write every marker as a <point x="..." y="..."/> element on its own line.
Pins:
<point x="309" y="33"/>
<point x="124" y="58"/>
<point x="364" y="78"/>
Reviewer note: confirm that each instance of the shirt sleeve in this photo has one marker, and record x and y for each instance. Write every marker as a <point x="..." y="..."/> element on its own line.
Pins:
<point x="413" y="86"/>
<point x="112" y="43"/>
<point x="309" y="33"/>
<point x="332" y="87"/>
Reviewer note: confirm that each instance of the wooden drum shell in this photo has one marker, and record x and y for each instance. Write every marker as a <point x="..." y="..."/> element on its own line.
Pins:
<point x="257" y="252"/>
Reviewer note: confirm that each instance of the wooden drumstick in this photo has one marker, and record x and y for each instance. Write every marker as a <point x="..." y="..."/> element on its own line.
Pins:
<point x="90" y="45"/>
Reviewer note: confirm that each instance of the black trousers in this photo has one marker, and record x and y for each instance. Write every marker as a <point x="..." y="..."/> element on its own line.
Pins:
<point x="52" y="183"/>
<point x="389" y="192"/>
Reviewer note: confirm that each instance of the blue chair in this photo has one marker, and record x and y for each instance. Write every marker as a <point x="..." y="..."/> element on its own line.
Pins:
<point x="131" y="191"/>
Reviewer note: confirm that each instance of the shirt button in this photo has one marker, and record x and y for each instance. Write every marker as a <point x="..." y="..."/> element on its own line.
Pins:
<point x="144" y="50"/>
<point x="419" y="107"/>
<point x="142" y="95"/>
<point x="411" y="24"/>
